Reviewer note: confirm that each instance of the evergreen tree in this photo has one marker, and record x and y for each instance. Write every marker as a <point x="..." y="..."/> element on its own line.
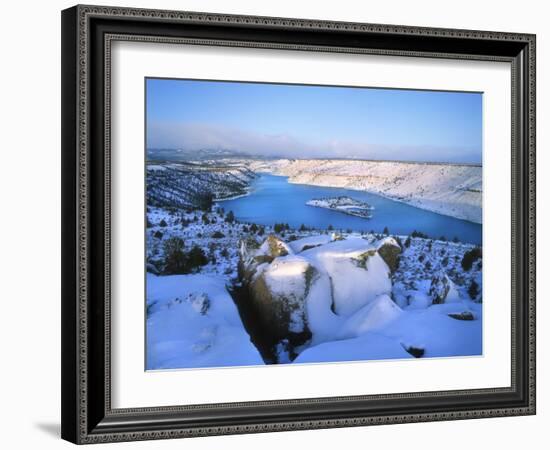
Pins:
<point x="470" y="257"/>
<point x="175" y="260"/>
<point x="473" y="290"/>
<point x="230" y="218"/>
<point x="196" y="257"/>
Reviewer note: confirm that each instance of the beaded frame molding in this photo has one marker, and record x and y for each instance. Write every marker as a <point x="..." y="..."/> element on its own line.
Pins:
<point x="87" y="35"/>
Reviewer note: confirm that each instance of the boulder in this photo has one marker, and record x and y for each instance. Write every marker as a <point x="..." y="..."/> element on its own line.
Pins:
<point x="252" y="255"/>
<point x="357" y="272"/>
<point x="442" y="289"/>
<point x="417" y="352"/>
<point x="278" y="294"/>
<point x="464" y="315"/>
<point x="389" y="249"/>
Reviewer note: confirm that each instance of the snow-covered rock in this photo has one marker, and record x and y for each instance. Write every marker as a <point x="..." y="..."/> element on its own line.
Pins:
<point x="442" y="289"/>
<point x="389" y="250"/>
<point x="464" y="315"/>
<point x="192" y="322"/>
<point x="357" y="272"/>
<point x="312" y="294"/>
<point x="306" y="243"/>
<point x="252" y="255"/>
<point x="278" y="292"/>
<point x="274" y="247"/>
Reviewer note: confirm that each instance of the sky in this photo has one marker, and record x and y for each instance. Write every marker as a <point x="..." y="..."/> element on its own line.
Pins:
<point x="297" y="121"/>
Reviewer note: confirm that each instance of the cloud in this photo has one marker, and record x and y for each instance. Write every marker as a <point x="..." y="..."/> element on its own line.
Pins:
<point x="197" y="136"/>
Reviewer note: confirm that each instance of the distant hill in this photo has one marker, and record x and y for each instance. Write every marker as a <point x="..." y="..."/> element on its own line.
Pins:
<point x="162" y="154"/>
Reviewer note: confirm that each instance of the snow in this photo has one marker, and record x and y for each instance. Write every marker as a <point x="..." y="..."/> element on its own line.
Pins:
<point x="311" y="241"/>
<point x="419" y="300"/>
<point x="374" y="316"/>
<point x="193" y="322"/>
<point x="383" y="331"/>
<point x="370" y="346"/>
<point x="353" y="285"/>
<point x="439" y="334"/>
<point x="323" y="322"/>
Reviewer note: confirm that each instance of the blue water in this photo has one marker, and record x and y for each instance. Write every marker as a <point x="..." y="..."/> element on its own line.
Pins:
<point x="274" y="200"/>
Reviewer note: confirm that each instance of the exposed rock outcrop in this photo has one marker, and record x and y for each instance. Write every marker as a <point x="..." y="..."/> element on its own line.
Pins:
<point x="464" y="315"/>
<point x="278" y="292"/>
<point x="252" y="254"/>
<point x="442" y="289"/>
<point x="389" y="250"/>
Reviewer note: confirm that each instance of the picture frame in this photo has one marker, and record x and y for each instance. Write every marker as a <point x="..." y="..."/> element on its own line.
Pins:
<point x="87" y="366"/>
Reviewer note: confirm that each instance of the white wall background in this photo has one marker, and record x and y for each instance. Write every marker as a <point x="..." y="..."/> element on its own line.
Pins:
<point x="30" y="224"/>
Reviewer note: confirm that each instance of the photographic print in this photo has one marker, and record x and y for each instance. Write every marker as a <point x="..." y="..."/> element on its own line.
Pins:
<point x="294" y="224"/>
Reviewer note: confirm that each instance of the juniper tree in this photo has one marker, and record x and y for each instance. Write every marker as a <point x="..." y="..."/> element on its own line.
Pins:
<point x="473" y="290"/>
<point x="230" y="218"/>
<point x="470" y="257"/>
<point x="175" y="260"/>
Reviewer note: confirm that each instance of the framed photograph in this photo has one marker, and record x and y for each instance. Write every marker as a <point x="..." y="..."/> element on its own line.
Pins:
<point x="280" y="224"/>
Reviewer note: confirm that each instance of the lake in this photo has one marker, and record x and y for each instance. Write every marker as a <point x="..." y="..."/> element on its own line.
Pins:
<point x="274" y="200"/>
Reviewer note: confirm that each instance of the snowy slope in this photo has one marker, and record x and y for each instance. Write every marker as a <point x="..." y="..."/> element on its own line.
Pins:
<point x="189" y="184"/>
<point x="193" y="322"/>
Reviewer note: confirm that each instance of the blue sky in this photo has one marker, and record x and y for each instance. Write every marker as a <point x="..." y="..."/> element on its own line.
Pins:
<point x="315" y="121"/>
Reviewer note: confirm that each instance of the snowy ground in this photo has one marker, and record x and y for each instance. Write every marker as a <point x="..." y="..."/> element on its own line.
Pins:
<point x="193" y="322"/>
<point x="356" y="311"/>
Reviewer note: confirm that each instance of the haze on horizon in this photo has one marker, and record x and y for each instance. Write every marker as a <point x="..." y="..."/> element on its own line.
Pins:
<point x="297" y="121"/>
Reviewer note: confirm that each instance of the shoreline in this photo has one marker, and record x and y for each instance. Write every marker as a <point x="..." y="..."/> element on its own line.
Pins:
<point x="386" y="196"/>
<point x="217" y="200"/>
<point x="351" y="188"/>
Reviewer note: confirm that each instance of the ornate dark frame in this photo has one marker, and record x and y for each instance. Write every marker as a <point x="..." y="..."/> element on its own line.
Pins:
<point x="87" y="33"/>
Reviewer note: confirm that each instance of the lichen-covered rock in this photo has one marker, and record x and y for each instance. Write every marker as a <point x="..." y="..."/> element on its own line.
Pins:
<point x="362" y="259"/>
<point x="278" y="293"/>
<point x="389" y="249"/>
<point x="274" y="247"/>
<point x="442" y="289"/>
